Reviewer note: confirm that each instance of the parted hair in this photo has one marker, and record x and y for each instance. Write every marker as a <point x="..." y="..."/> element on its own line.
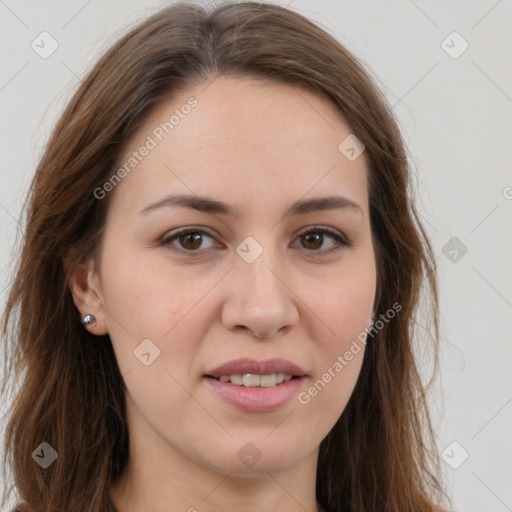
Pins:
<point x="67" y="389"/>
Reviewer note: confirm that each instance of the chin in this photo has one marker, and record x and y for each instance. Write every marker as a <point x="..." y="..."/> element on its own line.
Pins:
<point x="256" y="458"/>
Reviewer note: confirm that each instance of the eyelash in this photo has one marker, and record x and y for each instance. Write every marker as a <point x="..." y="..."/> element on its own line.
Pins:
<point x="342" y="243"/>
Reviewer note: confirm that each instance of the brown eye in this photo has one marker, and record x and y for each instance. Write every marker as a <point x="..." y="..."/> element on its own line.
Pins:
<point x="191" y="240"/>
<point x="313" y="240"/>
<point x="187" y="240"/>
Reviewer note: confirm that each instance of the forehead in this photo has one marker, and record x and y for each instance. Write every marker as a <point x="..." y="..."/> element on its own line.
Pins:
<point x="255" y="140"/>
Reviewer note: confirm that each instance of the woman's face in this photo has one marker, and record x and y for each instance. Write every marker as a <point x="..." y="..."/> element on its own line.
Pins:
<point x="252" y="162"/>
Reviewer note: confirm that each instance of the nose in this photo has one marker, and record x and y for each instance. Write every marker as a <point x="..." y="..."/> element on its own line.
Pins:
<point x="260" y="300"/>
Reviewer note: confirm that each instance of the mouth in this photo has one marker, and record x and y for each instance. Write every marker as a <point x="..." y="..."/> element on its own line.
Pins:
<point x="256" y="386"/>
<point x="255" y="397"/>
<point x="251" y="380"/>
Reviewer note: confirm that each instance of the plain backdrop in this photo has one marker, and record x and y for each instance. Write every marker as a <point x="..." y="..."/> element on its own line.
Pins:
<point x="452" y="96"/>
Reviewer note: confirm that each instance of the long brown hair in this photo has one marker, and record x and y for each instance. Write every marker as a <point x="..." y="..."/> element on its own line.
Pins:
<point x="381" y="454"/>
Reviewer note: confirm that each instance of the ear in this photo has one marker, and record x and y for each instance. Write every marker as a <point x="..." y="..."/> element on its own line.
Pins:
<point x="85" y="287"/>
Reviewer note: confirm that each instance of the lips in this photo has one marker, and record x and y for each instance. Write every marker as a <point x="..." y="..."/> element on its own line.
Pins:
<point x="251" y="366"/>
<point x="236" y="383"/>
<point x="256" y="399"/>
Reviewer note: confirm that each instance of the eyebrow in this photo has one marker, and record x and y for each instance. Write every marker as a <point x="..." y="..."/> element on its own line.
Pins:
<point x="208" y="205"/>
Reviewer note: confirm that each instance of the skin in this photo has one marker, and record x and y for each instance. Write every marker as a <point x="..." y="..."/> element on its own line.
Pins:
<point x="258" y="146"/>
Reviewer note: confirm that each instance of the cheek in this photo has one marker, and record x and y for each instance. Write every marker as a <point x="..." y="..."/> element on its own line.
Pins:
<point x="343" y="306"/>
<point x="158" y="304"/>
<point x="149" y="299"/>
<point x="343" y="310"/>
<point x="326" y="396"/>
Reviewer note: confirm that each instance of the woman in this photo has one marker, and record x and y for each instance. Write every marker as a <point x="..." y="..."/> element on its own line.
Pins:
<point x="218" y="281"/>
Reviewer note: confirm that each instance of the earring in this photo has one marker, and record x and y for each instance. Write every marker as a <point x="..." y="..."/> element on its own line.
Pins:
<point x="89" y="321"/>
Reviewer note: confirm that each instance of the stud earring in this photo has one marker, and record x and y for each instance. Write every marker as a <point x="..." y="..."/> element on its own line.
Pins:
<point x="89" y="321"/>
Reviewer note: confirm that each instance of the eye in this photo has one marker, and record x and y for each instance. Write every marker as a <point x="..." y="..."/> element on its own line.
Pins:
<point x="315" y="237"/>
<point x="189" y="239"/>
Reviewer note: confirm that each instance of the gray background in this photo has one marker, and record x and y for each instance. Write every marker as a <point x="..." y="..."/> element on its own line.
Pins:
<point x="455" y="114"/>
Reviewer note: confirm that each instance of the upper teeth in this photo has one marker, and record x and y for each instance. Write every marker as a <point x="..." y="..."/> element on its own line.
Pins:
<point x="251" y="380"/>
